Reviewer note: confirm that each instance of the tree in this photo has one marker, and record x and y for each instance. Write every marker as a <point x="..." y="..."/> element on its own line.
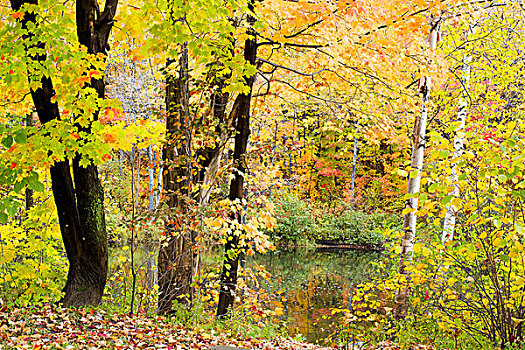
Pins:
<point x="418" y="152"/>
<point x="177" y="258"/>
<point x="450" y="215"/>
<point x="79" y="202"/>
<point x="241" y="116"/>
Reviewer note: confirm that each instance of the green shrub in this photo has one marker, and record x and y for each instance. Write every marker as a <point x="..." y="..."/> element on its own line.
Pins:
<point x="351" y="227"/>
<point x="295" y="221"/>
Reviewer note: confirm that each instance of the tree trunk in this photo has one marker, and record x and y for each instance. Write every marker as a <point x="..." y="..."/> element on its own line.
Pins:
<point x="177" y="258"/>
<point x="450" y="215"/>
<point x="88" y="268"/>
<point x="80" y="208"/>
<point x="29" y="192"/>
<point x="241" y="116"/>
<point x="418" y="152"/>
<point x="210" y="157"/>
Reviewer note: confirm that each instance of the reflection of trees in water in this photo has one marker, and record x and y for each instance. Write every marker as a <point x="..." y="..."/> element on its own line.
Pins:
<point x="314" y="282"/>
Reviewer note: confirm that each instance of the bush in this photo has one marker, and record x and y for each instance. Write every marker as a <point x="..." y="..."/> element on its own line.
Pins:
<point x="295" y="221"/>
<point x="354" y="227"/>
<point x="32" y="258"/>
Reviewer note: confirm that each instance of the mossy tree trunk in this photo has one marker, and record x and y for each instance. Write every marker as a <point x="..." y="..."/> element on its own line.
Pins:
<point x="79" y="203"/>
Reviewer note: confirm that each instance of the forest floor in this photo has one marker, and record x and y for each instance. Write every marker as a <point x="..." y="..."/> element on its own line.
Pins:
<point x="54" y="328"/>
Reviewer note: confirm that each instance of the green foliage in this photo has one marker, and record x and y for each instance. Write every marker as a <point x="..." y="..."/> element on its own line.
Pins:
<point x="32" y="259"/>
<point x="295" y="221"/>
<point x="354" y="227"/>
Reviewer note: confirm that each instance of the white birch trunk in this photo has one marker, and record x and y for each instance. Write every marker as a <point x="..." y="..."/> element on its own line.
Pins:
<point x="414" y="182"/>
<point x="418" y="151"/>
<point x="450" y="215"/>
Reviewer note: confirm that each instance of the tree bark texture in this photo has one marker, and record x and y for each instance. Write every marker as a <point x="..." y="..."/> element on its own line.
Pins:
<point x="241" y="116"/>
<point x="210" y="157"/>
<point x="409" y="222"/>
<point x="80" y="204"/>
<point x="177" y="257"/>
<point x="418" y="152"/>
<point x="450" y="215"/>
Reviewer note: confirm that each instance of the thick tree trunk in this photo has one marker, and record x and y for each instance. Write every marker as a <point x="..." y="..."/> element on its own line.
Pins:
<point x="88" y="268"/>
<point x="241" y="115"/>
<point x="177" y="258"/>
<point x="80" y="208"/>
<point x="210" y="157"/>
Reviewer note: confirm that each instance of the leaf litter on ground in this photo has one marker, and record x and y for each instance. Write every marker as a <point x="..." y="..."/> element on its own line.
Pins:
<point x="56" y="328"/>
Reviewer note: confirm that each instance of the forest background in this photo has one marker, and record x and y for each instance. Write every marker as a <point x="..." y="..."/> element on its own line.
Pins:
<point x="182" y="126"/>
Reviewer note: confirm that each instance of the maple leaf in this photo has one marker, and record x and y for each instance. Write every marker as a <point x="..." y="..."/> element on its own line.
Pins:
<point x="17" y="15"/>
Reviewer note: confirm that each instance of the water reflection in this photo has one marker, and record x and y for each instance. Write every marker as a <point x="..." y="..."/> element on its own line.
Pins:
<point x="314" y="281"/>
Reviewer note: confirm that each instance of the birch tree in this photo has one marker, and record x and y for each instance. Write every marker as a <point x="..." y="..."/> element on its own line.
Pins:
<point x="414" y="182"/>
<point x="450" y="215"/>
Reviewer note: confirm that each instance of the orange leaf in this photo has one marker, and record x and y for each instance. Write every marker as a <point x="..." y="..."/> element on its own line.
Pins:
<point x="17" y="15"/>
<point x="109" y="138"/>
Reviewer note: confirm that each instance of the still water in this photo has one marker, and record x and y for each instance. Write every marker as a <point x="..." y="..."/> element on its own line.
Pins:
<point x="305" y="284"/>
<point x="314" y="281"/>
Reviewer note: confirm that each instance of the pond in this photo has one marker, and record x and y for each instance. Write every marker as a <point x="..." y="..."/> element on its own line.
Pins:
<point x="314" y="281"/>
<point x="310" y="281"/>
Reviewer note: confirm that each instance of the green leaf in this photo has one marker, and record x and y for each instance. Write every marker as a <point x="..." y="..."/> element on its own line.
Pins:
<point x="7" y="141"/>
<point x="3" y="218"/>
<point x="20" y="136"/>
<point x="39" y="187"/>
<point x="443" y="154"/>
<point x="12" y="209"/>
<point x="446" y="200"/>
<point x="18" y="186"/>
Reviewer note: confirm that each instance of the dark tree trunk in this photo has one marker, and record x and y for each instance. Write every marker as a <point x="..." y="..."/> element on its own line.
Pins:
<point x="241" y="116"/>
<point x="177" y="258"/>
<point x="88" y="268"/>
<point x="80" y="207"/>
<point x="29" y="192"/>
<point x="209" y="157"/>
<point x="87" y="254"/>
